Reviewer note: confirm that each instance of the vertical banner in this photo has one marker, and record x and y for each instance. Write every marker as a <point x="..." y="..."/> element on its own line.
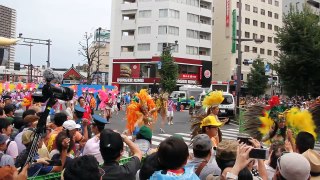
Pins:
<point x="234" y="30"/>
<point x="227" y="13"/>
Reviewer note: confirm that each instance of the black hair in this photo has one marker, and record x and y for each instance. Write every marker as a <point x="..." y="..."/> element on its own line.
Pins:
<point x="1" y="111"/>
<point x="59" y="119"/>
<point x="173" y="153"/>
<point x="28" y="112"/>
<point x="107" y="154"/>
<point x="277" y="150"/>
<point x="4" y="124"/>
<point x="100" y="127"/>
<point x="304" y="141"/>
<point x="18" y="122"/>
<point x="201" y="153"/>
<point x="60" y="137"/>
<point x="79" y="114"/>
<point x="149" y="166"/>
<point x="82" y="168"/>
<point x="80" y="99"/>
<point x="8" y="108"/>
<point x="245" y="174"/>
<point x="224" y="163"/>
<point x="283" y="131"/>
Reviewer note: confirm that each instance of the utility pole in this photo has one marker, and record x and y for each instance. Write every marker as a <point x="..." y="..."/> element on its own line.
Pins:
<point x="238" y="88"/>
<point x="98" y="62"/>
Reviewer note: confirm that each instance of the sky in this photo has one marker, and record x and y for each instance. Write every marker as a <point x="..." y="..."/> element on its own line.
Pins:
<point x="62" y="21"/>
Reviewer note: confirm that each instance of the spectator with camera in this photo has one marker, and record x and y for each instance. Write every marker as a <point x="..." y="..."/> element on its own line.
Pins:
<point x="111" y="149"/>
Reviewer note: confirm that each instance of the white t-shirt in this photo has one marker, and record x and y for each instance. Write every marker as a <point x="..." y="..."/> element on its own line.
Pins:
<point x="12" y="149"/>
<point x="18" y="140"/>
<point x="92" y="147"/>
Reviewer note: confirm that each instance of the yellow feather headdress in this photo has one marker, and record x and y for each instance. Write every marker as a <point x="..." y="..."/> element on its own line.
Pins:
<point x="214" y="98"/>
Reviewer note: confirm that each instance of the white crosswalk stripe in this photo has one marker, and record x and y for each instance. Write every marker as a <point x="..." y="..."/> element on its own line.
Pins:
<point x="226" y="134"/>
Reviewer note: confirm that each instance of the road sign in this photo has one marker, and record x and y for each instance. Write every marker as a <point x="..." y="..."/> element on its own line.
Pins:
<point x="159" y="64"/>
<point x="267" y="68"/>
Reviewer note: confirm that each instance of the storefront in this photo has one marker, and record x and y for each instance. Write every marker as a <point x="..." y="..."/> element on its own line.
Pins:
<point x="131" y="75"/>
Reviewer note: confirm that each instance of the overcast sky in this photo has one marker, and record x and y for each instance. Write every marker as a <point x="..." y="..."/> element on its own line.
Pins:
<point x="63" y="21"/>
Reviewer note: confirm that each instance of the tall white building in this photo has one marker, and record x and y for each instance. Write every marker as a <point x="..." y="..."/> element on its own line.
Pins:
<point x="139" y="28"/>
<point x="7" y="29"/>
<point x="260" y="20"/>
<point x="298" y="4"/>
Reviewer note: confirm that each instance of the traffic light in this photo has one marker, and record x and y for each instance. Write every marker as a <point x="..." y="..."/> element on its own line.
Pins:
<point x="16" y="66"/>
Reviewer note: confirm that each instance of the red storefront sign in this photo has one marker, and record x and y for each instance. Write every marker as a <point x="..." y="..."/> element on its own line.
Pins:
<point x="227" y="13"/>
<point x="189" y="76"/>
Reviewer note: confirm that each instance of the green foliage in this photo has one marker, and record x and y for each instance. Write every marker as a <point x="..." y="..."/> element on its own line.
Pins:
<point x="257" y="80"/>
<point x="168" y="72"/>
<point x="299" y="62"/>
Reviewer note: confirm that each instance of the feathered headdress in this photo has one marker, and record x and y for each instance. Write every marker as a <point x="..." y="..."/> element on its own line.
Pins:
<point x="27" y="100"/>
<point x="214" y="98"/>
<point x="134" y="110"/>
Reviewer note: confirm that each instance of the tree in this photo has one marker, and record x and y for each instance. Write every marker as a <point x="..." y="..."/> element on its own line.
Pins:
<point x="299" y="61"/>
<point x="257" y="81"/>
<point x="89" y="50"/>
<point x="168" y="72"/>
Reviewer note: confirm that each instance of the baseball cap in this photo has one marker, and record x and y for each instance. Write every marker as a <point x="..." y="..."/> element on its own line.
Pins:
<point x="145" y="132"/>
<point x="27" y="137"/>
<point x="79" y="109"/>
<point x="210" y="121"/>
<point x="294" y="166"/>
<point x="227" y="150"/>
<point x="314" y="159"/>
<point x="70" y="125"/>
<point x="3" y="138"/>
<point x="201" y="142"/>
<point x="99" y="120"/>
<point x="111" y="144"/>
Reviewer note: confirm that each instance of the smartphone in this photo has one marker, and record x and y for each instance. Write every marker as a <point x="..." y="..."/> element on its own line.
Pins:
<point x="244" y="140"/>
<point x="259" y="154"/>
<point x="54" y="162"/>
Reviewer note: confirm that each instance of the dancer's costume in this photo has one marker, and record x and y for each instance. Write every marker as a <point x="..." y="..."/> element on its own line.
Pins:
<point x="212" y="99"/>
<point x="263" y="122"/>
<point x="141" y="112"/>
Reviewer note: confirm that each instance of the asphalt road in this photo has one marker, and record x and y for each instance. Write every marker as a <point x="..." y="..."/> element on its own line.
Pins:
<point x="181" y="124"/>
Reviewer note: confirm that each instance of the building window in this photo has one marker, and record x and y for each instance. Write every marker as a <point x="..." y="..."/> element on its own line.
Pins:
<point x="263" y="12"/>
<point x="127" y="48"/>
<point x="255" y="23"/>
<point x="276" y="28"/>
<point x="276" y="53"/>
<point x="254" y="49"/>
<point x="204" y="51"/>
<point x="276" y="40"/>
<point x="192" y="50"/>
<point x="270" y="39"/>
<point x="145" y="14"/>
<point x="269" y="53"/>
<point x="144" y="30"/>
<point x="174" y="14"/>
<point x="254" y="36"/>
<point x="270" y="26"/>
<point x="262" y="25"/>
<point x="276" y="3"/>
<point x="144" y="47"/>
<point x="269" y="13"/>
<point x="193" y="2"/>
<point x="247" y="7"/>
<point x="238" y="19"/>
<point x="238" y="4"/>
<point x="163" y="13"/>
<point x="168" y="30"/>
<point x="262" y="37"/>
<point x="192" y="34"/>
<point x="263" y="0"/>
<point x="247" y="35"/>
<point x="247" y="21"/>
<point x="193" y="18"/>
<point x="246" y="48"/>
<point x="270" y="1"/>
<point x="175" y="49"/>
<point x="162" y="30"/>
<point x="276" y="16"/>
<point x="255" y="9"/>
<point x="261" y="51"/>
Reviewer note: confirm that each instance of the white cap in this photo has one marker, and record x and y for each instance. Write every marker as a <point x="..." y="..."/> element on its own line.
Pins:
<point x="71" y="125"/>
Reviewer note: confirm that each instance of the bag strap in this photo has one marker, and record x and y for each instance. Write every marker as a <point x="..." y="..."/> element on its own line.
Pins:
<point x="8" y="143"/>
<point x="1" y="154"/>
<point x="200" y="167"/>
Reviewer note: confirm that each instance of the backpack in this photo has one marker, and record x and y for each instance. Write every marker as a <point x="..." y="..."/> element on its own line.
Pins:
<point x="8" y="143"/>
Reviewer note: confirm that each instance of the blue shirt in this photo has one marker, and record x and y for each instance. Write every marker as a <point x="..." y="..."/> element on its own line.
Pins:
<point x="34" y="168"/>
<point x="188" y="174"/>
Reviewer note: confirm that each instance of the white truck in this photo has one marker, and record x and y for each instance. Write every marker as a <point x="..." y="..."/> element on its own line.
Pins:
<point x="185" y="92"/>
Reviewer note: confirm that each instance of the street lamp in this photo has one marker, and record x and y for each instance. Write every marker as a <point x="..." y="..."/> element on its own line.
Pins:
<point x="38" y="41"/>
<point x="239" y="62"/>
